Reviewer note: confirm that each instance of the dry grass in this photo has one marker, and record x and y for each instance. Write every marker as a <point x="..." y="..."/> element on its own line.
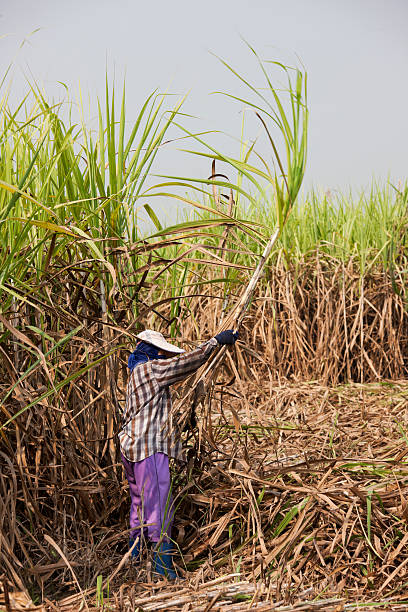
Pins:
<point x="304" y="500"/>
<point x="297" y="485"/>
<point x="332" y="461"/>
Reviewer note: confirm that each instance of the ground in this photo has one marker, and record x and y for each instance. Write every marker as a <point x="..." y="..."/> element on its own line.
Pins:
<point x="294" y="499"/>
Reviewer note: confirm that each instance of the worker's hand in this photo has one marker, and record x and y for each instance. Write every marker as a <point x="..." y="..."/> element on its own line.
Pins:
<point x="227" y="337"/>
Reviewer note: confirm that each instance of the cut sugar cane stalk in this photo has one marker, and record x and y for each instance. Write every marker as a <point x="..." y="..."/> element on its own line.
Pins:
<point x="240" y="311"/>
<point x="292" y="127"/>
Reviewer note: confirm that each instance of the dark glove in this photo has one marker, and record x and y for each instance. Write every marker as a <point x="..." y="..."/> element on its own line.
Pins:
<point x="227" y="337"/>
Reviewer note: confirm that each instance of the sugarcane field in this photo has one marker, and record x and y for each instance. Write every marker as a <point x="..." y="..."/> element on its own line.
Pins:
<point x="204" y="411"/>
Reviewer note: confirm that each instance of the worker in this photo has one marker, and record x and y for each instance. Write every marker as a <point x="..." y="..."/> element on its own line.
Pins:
<point x="149" y="437"/>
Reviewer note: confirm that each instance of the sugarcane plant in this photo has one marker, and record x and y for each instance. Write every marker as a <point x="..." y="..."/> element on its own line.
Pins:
<point x="283" y="114"/>
<point x="69" y="203"/>
<point x="285" y="180"/>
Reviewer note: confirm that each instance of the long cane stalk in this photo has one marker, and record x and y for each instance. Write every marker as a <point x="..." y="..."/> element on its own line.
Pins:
<point x="292" y="126"/>
<point x="242" y="306"/>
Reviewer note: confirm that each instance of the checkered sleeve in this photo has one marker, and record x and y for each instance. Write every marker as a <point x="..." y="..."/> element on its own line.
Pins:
<point x="169" y="371"/>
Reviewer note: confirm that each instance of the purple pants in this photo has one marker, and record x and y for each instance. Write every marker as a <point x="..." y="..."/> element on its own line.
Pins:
<point x="151" y="501"/>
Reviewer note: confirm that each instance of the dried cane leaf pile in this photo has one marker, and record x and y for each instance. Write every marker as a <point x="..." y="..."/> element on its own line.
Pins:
<point x="298" y="486"/>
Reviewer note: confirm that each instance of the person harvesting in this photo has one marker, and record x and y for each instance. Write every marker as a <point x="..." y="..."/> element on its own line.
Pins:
<point x="149" y="437"/>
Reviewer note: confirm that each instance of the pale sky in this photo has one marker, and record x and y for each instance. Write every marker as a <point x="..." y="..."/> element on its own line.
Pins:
<point x="355" y="53"/>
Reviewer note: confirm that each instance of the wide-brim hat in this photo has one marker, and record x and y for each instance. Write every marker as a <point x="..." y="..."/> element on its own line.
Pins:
<point x="158" y="340"/>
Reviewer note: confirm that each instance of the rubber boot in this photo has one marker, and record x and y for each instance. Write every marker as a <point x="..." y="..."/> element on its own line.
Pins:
<point x="136" y="551"/>
<point x="163" y="560"/>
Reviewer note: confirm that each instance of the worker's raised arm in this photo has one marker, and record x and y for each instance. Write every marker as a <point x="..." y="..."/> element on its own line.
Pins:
<point x="170" y="371"/>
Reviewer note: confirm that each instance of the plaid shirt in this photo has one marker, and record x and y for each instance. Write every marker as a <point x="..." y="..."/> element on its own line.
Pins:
<point x="147" y="426"/>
